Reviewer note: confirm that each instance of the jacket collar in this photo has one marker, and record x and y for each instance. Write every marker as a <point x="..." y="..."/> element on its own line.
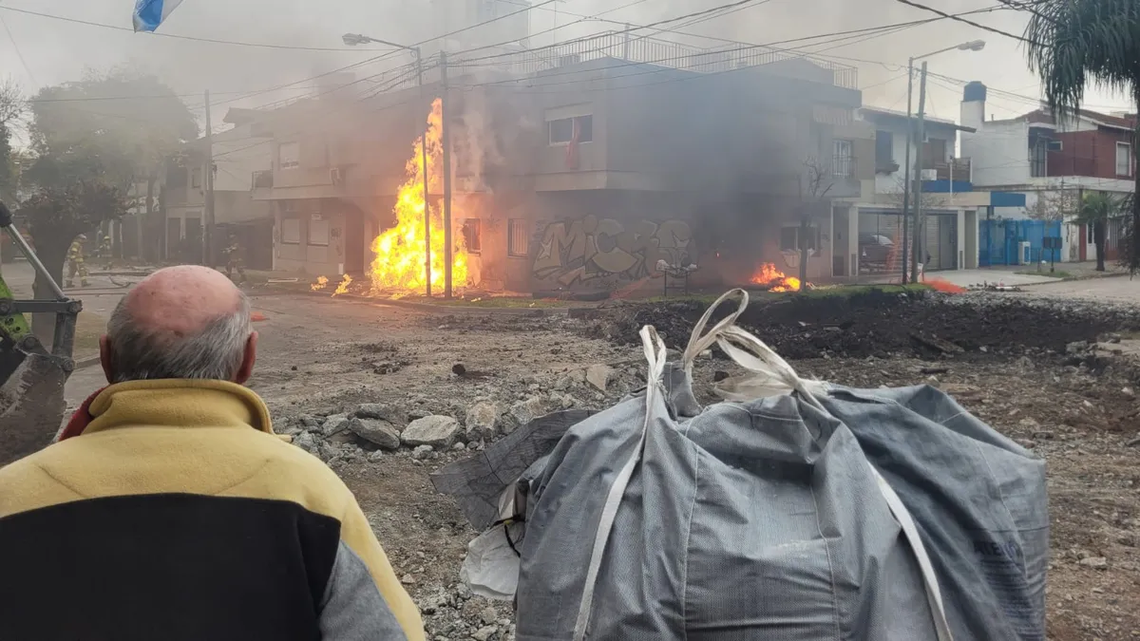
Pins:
<point x="177" y="403"/>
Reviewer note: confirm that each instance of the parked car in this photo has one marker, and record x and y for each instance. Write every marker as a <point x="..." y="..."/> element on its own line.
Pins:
<point x="875" y="250"/>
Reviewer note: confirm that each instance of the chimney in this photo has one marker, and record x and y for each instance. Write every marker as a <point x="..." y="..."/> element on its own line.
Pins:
<point x="974" y="105"/>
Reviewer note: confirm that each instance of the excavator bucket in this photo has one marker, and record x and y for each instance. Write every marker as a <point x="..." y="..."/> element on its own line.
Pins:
<point x="31" y="407"/>
<point x="32" y="378"/>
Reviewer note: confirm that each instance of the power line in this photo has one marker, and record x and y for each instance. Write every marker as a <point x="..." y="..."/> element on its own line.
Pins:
<point x="104" y="25"/>
<point x="392" y="53"/>
<point x="137" y="97"/>
<point x="19" y="53"/>
<point x="969" y="22"/>
<point x="716" y="12"/>
<point x="865" y="30"/>
<point x="393" y="83"/>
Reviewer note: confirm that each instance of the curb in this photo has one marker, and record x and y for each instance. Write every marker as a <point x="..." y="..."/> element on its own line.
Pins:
<point x="1076" y="280"/>
<point x="86" y="362"/>
<point x="430" y="308"/>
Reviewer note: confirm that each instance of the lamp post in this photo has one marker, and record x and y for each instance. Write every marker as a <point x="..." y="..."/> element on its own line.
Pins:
<point x="355" y="39"/>
<point x="973" y="45"/>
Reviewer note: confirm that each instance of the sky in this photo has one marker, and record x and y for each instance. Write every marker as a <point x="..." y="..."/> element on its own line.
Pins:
<point x="38" y="51"/>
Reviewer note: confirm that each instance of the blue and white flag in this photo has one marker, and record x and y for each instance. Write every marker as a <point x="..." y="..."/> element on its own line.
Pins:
<point x="150" y="13"/>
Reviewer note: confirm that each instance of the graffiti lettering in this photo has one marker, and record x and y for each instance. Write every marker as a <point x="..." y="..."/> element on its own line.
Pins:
<point x="590" y="248"/>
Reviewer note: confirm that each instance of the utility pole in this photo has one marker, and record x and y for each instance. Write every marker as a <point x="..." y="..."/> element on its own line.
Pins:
<point x="919" y="222"/>
<point x="353" y="39"/>
<point x="424" y="160"/>
<point x="446" y="142"/>
<point x="907" y="172"/>
<point x="208" y="223"/>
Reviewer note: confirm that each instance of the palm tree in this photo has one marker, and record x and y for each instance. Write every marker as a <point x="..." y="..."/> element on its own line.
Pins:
<point x="1075" y="43"/>
<point x="1096" y="209"/>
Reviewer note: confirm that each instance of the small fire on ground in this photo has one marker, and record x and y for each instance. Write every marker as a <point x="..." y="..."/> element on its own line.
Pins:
<point x="323" y="282"/>
<point x="775" y="280"/>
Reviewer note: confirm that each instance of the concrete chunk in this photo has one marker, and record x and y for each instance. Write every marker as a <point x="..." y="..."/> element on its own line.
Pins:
<point x="436" y="431"/>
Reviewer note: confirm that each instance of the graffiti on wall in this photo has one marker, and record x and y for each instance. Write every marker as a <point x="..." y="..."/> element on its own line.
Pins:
<point x="591" y="248"/>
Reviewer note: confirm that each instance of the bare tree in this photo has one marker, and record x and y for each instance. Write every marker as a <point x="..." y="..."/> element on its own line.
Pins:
<point x="820" y="180"/>
<point x="13" y="107"/>
<point x="929" y="201"/>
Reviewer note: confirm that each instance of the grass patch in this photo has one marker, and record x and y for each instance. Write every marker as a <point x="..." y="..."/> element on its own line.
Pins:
<point x="836" y="291"/>
<point x="1057" y="274"/>
<point x="847" y="291"/>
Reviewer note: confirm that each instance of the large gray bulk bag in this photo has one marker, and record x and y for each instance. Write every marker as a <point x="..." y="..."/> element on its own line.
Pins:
<point x="800" y="511"/>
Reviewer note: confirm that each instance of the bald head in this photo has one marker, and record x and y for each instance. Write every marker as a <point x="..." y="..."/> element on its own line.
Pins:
<point x="180" y="322"/>
<point x="181" y="301"/>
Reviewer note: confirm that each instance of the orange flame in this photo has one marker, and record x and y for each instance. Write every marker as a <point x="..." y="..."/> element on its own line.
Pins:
<point x="775" y="280"/>
<point x="342" y="288"/>
<point x="400" y="263"/>
<point x="322" y="282"/>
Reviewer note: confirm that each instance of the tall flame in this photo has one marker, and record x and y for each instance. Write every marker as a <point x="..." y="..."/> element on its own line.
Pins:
<point x="400" y="264"/>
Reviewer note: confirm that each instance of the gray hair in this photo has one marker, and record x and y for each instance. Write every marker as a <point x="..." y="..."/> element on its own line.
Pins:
<point x="216" y="352"/>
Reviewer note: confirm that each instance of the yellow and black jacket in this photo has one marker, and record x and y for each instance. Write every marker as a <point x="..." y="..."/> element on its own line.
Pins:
<point x="178" y="514"/>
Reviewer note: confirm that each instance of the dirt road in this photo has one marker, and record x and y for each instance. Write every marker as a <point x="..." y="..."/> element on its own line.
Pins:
<point x="320" y="357"/>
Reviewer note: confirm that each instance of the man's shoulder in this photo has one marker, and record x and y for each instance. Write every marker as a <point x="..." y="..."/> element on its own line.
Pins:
<point x="292" y="474"/>
<point x="25" y="482"/>
<point x="250" y="464"/>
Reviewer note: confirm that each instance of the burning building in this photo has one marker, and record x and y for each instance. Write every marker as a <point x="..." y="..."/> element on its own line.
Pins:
<point x="602" y="171"/>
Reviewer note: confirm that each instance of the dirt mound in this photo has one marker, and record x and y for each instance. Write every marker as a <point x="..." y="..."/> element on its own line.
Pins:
<point x="880" y="324"/>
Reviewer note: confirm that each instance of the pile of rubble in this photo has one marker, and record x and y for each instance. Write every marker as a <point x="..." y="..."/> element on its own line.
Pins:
<point x="884" y="324"/>
<point x="370" y="431"/>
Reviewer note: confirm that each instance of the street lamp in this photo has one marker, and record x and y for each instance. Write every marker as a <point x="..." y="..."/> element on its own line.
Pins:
<point x="356" y="39"/>
<point x="973" y="45"/>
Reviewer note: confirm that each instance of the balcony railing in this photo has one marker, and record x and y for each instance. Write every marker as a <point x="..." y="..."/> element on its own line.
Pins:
<point x="635" y="48"/>
<point x="957" y="169"/>
<point x="843" y="166"/>
<point x="262" y="179"/>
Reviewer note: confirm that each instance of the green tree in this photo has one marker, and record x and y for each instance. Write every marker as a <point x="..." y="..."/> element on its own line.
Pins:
<point x="11" y="110"/>
<point x="126" y="119"/>
<point x="1077" y="43"/>
<point x="93" y="139"/>
<point x="1096" y="209"/>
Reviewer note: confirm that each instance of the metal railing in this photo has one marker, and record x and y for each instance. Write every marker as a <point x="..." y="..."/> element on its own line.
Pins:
<point x="843" y="166"/>
<point x="622" y="45"/>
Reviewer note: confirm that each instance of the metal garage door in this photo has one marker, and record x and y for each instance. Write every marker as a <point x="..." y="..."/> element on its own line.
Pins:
<point x="941" y="242"/>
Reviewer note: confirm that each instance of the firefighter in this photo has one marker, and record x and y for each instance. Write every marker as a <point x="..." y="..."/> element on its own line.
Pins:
<point x="105" y="251"/>
<point x="233" y="259"/>
<point x="75" y="262"/>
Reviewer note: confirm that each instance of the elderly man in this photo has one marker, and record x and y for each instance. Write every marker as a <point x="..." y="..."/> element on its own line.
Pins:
<point x="169" y="509"/>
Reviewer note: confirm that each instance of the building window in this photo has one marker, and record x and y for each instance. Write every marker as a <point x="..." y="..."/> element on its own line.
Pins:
<point x="289" y="155"/>
<point x="843" y="162"/>
<point x="1123" y="159"/>
<point x="1038" y="159"/>
<point x="790" y="238"/>
<point x="473" y="235"/>
<point x="291" y="231"/>
<point x="884" y="149"/>
<point x="196" y="177"/>
<point x="318" y="231"/>
<point x="518" y="238"/>
<point x="562" y="131"/>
